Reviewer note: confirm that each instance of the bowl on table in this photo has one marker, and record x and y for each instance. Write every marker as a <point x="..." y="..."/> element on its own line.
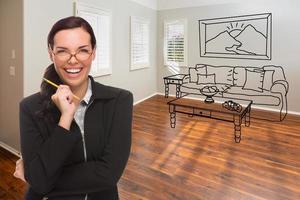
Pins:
<point x="209" y="92"/>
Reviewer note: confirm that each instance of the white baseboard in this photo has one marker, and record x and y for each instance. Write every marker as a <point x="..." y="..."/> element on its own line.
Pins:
<point x="10" y="149"/>
<point x="293" y="113"/>
<point x="163" y="94"/>
<point x="137" y="102"/>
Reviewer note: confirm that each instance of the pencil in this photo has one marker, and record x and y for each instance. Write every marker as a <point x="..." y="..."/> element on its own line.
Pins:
<point x="55" y="85"/>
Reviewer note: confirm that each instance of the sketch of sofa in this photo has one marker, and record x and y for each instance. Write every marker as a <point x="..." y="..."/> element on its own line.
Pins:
<point x="266" y="86"/>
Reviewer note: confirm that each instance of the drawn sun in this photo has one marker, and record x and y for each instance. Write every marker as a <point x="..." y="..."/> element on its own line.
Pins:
<point x="234" y="28"/>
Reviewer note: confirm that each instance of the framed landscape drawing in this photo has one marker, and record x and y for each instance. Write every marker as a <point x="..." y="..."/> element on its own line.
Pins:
<point x="239" y="37"/>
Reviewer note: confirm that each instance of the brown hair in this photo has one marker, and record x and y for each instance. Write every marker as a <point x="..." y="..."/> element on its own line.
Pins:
<point x="69" y="23"/>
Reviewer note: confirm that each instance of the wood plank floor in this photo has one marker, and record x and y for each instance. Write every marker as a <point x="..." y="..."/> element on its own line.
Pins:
<point x="198" y="159"/>
<point x="10" y="187"/>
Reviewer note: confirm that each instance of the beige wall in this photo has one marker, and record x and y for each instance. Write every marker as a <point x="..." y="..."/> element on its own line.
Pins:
<point x="285" y="36"/>
<point x="11" y="87"/>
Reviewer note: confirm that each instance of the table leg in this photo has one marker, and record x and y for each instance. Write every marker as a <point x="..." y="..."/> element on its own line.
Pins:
<point x="172" y="116"/>
<point x="247" y="117"/>
<point x="166" y="90"/>
<point x="237" y="128"/>
<point x="178" y="93"/>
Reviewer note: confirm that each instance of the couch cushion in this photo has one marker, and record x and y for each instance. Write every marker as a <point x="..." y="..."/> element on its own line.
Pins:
<point x="194" y="88"/>
<point x="224" y="74"/>
<point x="254" y="80"/>
<point x="268" y="79"/>
<point x="198" y="69"/>
<point x="206" y="78"/>
<point x="239" y="74"/>
<point x="258" y="98"/>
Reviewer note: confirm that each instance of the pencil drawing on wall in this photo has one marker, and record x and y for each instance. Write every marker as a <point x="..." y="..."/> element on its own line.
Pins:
<point x="241" y="37"/>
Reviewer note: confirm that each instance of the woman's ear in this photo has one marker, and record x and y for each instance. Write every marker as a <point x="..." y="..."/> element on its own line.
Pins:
<point x="50" y="53"/>
<point x="94" y="53"/>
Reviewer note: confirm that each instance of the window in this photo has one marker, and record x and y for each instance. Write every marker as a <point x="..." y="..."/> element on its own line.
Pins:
<point x="100" y="21"/>
<point x="175" y="43"/>
<point x="139" y="43"/>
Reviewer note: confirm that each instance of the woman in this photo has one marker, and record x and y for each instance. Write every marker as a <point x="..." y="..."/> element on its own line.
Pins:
<point x="74" y="149"/>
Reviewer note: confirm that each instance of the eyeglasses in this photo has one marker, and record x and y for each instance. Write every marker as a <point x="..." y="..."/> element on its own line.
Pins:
<point x="65" y="55"/>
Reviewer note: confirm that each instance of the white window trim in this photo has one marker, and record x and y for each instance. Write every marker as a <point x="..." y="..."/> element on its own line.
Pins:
<point x="142" y="65"/>
<point x="185" y="23"/>
<point x="87" y="8"/>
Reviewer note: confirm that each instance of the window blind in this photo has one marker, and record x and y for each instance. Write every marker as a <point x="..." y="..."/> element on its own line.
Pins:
<point x="175" y="42"/>
<point x="100" y="20"/>
<point x="139" y="43"/>
<point x="103" y="38"/>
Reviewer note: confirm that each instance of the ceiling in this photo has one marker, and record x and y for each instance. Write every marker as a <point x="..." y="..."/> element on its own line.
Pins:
<point x="173" y="4"/>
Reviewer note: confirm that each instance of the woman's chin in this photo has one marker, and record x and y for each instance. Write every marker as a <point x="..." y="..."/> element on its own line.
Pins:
<point x="76" y="83"/>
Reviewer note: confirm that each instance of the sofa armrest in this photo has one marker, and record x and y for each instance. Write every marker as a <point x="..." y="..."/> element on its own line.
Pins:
<point x="186" y="78"/>
<point x="281" y="86"/>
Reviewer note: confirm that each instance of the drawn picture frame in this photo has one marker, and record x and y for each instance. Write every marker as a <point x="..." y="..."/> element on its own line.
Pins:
<point x="237" y="37"/>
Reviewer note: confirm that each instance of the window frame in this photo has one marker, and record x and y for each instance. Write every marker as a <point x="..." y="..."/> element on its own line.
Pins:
<point x="134" y="66"/>
<point x="92" y="10"/>
<point x="185" y="53"/>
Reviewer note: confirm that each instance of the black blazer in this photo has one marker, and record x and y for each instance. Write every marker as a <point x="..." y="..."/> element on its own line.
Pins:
<point x="53" y="156"/>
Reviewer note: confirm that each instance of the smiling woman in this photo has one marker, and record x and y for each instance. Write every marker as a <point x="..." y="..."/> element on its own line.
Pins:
<point x="74" y="149"/>
<point x="72" y="68"/>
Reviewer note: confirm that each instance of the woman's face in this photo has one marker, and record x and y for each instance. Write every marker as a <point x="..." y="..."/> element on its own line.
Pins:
<point x="72" y="55"/>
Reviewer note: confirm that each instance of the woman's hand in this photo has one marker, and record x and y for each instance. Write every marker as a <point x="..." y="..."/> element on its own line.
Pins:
<point x="19" y="171"/>
<point x="64" y="100"/>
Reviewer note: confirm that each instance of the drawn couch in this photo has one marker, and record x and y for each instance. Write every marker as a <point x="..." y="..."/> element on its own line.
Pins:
<point x="266" y="86"/>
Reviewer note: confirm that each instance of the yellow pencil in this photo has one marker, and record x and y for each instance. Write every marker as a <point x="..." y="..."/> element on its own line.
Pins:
<point x="55" y="85"/>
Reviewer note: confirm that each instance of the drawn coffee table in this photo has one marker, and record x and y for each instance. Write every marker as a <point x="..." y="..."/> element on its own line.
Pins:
<point x="215" y="110"/>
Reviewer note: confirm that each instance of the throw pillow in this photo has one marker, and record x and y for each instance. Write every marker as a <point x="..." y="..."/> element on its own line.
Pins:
<point x="193" y="71"/>
<point x="239" y="74"/>
<point x="206" y="78"/>
<point x="268" y="79"/>
<point x="278" y="72"/>
<point x="254" y="80"/>
<point x="224" y="74"/>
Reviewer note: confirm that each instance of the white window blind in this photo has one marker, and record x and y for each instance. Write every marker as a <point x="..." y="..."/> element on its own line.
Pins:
<point x="100" y="21"/>
<point x="103" y="41"/>
<point x="140" y="43"/>
<point x="175" y="43"/>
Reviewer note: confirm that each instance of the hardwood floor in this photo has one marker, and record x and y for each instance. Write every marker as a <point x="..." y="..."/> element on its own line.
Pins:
<point x="198" y="159"/>
<point x="10" y="187"/>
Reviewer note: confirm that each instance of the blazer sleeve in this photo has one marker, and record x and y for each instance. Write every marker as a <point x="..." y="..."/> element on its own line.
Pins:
<point x="43" y="157"/>
<point x="94" y="176"/>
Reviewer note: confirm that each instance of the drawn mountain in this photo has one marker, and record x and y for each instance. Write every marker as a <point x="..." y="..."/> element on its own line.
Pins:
<point x="219" y="43"/>
<point x="248" y="41"/>
<point x="252" y="41"/>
